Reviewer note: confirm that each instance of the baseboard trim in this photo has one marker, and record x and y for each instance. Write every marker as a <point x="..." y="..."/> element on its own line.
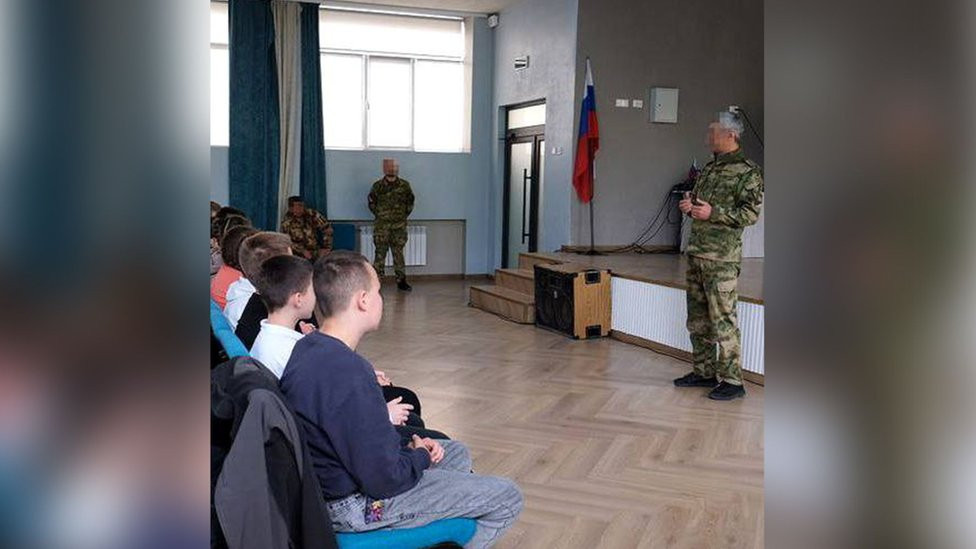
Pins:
<point x="434" y="277"/>
<point x="758" y="379"/>
<point x="608" y="248"/>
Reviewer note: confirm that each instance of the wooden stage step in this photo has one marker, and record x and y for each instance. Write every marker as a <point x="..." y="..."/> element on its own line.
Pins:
<point x="529" y="260"/>
<point x="504" y="302"/>
<point x="520" y="280"/>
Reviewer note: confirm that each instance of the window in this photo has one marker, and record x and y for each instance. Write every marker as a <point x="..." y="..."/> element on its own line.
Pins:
<point x="389" y="81"/>
<point x="219" y="75"/>
<point x="394" y="81"/>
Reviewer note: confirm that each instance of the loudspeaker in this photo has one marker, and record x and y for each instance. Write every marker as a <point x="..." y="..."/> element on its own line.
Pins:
<point x="573" y="300"/>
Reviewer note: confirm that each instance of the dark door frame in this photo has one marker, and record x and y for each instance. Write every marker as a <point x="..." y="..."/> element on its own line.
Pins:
<point x="529" y="134"/>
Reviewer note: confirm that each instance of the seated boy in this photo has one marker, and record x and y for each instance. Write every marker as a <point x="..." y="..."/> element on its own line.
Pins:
<point x="253" y="251"/>
<point x="284" y="284"/>
<point x="230" y="271"/>
<point x="370" y="479"/>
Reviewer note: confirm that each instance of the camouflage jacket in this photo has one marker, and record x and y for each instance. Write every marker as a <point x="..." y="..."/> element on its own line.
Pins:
<point x="391" y="203"/>
<point x="733" y="185"/>
<point x="303" y="231"/>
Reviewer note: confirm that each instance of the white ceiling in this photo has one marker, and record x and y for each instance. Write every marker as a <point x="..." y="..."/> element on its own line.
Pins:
<point x="470" y="6"/>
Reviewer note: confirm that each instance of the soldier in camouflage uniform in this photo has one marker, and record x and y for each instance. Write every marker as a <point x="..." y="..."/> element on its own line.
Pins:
<point x="726" y="198"/>
<point x="391" y="201"/>
<point x="303" y="226"/>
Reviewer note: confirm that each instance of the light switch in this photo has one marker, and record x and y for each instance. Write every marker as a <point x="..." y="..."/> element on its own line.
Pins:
<point x="622" y="103"/>
<point x="637" y="103"/>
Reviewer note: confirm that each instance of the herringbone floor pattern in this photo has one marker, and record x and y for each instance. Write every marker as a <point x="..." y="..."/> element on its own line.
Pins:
<point x="607" y="452"/>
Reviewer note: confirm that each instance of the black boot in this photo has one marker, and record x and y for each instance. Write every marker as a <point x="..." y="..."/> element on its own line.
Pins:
<point x="695" y="380"/>
<point x="403" y="286"/>
<point x="727" y="391"/>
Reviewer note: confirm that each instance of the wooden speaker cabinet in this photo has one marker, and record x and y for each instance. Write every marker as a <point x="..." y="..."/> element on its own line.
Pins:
<point x="573" y="300"/>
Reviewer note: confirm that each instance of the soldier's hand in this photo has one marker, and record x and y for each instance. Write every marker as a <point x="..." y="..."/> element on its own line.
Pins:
<point x="703" y="210"/>
<point x="685" y="204"/>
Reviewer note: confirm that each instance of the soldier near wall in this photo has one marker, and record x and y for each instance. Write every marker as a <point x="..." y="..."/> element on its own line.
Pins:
<point x="726" y="198"/>
<point x="391" y="201"/>
<point x="304" y="225"/>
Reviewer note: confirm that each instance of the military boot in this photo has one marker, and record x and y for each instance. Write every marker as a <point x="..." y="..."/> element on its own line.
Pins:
<point x="727" y="391"/>
<point x="695" y="380"/>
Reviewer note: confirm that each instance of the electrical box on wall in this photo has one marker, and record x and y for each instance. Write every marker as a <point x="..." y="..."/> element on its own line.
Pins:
<point x="664" y="105"/>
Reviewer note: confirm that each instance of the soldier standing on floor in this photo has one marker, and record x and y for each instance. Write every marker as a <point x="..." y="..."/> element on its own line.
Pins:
<point x="391" y="201"/>
<point x="726" y="198"/>
<point x="303" y="226"/>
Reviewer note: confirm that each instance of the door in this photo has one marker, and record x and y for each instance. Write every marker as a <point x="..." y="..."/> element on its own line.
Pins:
<point x="524" y="153"/>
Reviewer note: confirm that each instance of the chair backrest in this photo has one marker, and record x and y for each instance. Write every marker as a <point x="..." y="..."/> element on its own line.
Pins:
<point x="344" y="236"/>
<point x="225" y="334"/>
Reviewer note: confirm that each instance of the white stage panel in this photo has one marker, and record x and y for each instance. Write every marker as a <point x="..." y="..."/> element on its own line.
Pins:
<point x="658" y="313"/>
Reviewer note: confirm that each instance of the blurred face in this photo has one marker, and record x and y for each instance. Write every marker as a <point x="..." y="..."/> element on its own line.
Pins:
<point x="297" y="209"/>
<point x="391" y="169"/>
<point x="720" y="140"/>
<point x="373" y="301"/>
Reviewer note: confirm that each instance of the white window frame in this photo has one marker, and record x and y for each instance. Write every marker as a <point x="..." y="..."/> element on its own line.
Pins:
<point x="226" y="47"/>
<point x="366" y="55"/>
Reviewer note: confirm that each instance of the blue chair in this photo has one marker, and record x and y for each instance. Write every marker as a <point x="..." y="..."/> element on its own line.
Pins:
<point x="344" y="236"/>
<point x="457" y="530"/>
<point x="225" y="334"/>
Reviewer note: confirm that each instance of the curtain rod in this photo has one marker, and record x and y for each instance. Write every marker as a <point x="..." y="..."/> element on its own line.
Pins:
<point x="386" y="8"/>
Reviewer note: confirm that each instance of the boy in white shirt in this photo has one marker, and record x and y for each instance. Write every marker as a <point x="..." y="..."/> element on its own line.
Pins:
<point x="253" y="251"/>
<point x="285" y="285"/>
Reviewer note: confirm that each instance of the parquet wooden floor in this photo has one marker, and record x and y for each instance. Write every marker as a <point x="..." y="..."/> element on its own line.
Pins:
<point x="607" y="452"/>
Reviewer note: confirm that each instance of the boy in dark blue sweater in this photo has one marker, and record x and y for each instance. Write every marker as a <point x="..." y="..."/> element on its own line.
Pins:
<point x="370" y="479"/>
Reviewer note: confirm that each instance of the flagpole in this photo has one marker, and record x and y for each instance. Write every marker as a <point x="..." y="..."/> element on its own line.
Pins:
<point x="592" y="250"/>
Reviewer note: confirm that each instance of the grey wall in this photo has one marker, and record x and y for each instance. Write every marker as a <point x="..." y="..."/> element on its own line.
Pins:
<point x="545" y="30"/>
<point x="448" y="186"/>
<point x="712" y="52"/>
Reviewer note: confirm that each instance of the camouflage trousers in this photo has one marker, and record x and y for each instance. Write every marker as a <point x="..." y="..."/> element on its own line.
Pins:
<point x="712" y="322"/>
<point x="384" y="239"/>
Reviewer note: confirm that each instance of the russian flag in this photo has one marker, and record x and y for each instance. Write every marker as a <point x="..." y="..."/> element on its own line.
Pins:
<point x="588" y="141"/>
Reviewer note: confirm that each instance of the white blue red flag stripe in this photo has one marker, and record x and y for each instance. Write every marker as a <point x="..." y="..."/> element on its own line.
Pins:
<point x="588" y="141"/>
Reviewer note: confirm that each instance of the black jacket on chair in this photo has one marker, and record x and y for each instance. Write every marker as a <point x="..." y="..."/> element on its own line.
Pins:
<point x="264" y="493"/>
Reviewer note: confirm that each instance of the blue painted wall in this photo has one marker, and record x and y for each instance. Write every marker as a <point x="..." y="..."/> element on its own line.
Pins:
<point x="447" y="185"/>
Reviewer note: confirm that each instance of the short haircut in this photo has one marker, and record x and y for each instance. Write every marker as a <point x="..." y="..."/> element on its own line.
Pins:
<point x="258" y="247"/>
<point x="230" y="210"/>
<point x="293" y="199"/>
<point x="731" y="122"/>
<point x="214" y="208"/>
<point x="280" y="277"/>
<point x="230" y="245"/>
<point x="218" y="224"/>
<point x="336" y="278"/>
<point x="233" y="221"/>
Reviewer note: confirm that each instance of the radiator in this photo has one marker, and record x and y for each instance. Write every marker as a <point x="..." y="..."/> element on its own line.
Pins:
<point x="414" y="253"/>
<point x="658" y="313"/>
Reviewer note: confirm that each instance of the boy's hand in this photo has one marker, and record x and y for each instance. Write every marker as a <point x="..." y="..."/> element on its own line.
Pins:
<point x="306" y="327"/>
<point x="433" y="447"/>
<point x="382" y="379"/>
<point x="398" y="412"/>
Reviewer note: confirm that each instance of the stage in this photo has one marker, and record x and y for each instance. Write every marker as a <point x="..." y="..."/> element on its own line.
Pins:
<point x="648" y="302"/>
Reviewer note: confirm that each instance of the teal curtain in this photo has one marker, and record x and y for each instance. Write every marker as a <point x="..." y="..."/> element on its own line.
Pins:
<point x="254" y="118"/>
<point x="313" y="145"/>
